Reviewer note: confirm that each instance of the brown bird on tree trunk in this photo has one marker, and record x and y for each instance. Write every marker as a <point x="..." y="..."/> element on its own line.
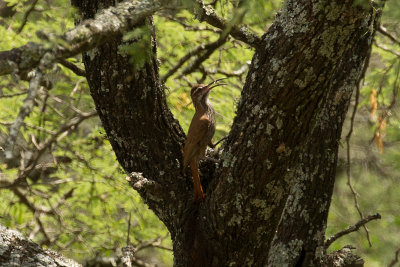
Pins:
<point x="201" y="131"/>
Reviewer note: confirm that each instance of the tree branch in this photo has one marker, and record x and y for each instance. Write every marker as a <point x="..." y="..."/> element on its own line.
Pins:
<point x="69" y="126"/>
<point x="12" y="95"/>
<point x="236" y="73"/>
<point x="396" y="258"/>
<point x="384" y="48"/>
<point x="193" y="28"/>
<point x="212" y="47"/>
<point x="384" y="31"/>
<point x="197" y="50"/>
<point x="26" y="15"/>
<point x="242" y="33"/>
<point x="351" y="229"/>
<point x="89" y="34"/>
<point x="14" y="243"/>
<point x="75" y="69"/>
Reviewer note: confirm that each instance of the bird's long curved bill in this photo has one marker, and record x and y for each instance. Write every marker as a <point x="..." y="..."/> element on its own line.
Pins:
<point x="208" y="85"/>
<point x="216" y="86"/>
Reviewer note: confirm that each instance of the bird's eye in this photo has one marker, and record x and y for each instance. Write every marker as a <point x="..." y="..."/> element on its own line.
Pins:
<point x="198" y="89"/>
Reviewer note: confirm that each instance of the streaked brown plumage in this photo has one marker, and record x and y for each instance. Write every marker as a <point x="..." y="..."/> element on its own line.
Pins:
<point x="201" y="131"/>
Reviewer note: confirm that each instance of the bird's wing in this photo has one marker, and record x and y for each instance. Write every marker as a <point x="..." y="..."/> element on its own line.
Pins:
<point x="195" y="141"/>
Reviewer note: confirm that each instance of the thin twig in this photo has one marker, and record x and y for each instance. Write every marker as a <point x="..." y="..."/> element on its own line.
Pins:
<point x="69" y="105"/>
<point x="191" y="27"/>
<point x="62" y="200"/>
<point x="53" y="108"/>
<point x="30" y="125"/>
<point x="351" y="229"/>
<point x="214" y="46"/>
<point x="26" y="15"/>
<point x="71" y="125"/>
<point x="396" y="258"/>
<point x="196" y="51"/>
<point x="12" y="95"/>
<point x="75" y="69"/>
<point x="31" y="206"/>
<point x="384" y="48"/>
<point x="384" y="31"/>
<point x="129" y="230"/>
<point x="65" y="129"/>
<point x="154" y="243"/>
<point x="236" y="73"/>
<point x="348" y="169"/>
<point x="76" y="87"/>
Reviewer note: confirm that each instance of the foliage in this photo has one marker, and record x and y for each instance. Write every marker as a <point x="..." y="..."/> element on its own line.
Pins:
<point x="82" y="182"/>
<point x="138" y="46"/>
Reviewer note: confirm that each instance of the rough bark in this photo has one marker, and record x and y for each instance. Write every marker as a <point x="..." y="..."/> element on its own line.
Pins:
<point x="17" y="250"/>
<point x="145" y="137"/>
<point x="282" y="149"/>
<point x="343" y="258"/>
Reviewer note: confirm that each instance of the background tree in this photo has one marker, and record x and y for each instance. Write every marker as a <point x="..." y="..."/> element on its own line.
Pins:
<point x="298" y="83"/>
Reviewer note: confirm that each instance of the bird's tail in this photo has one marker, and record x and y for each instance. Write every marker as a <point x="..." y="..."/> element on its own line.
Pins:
<point x="197" y="189"/>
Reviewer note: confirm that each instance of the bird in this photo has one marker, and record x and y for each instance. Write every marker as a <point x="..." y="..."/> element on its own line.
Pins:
<point x="200" y="134"/>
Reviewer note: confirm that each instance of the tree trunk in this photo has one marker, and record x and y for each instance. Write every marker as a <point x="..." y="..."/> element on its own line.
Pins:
<point x="268" y="199"/>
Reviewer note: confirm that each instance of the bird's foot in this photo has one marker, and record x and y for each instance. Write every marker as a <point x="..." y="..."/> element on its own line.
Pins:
<point x="217" y="143"/>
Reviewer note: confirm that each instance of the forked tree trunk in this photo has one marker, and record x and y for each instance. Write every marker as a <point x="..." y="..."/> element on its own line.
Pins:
<point x="268" y="199"/>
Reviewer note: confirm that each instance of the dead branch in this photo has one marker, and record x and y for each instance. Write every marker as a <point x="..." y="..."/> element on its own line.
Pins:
<point x="351" y="229"/>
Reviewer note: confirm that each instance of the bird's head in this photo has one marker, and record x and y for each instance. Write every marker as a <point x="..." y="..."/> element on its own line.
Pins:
<point x="199" y="92"/>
